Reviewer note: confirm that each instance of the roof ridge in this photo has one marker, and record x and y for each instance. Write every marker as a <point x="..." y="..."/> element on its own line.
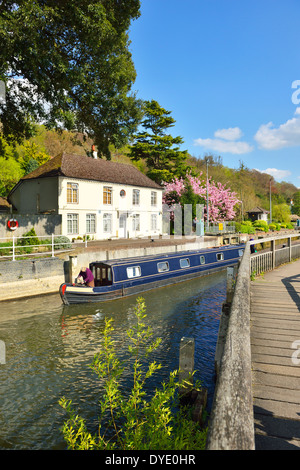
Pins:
<point x="96" y="169"/>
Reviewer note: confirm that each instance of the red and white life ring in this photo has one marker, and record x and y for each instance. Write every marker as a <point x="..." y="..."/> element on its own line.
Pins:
<point x="12" y="224"/>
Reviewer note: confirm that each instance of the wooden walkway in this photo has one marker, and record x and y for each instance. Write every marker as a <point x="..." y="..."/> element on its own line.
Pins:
<point x="275" y="352"/>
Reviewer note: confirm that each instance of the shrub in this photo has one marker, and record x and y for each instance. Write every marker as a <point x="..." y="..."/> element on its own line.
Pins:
<point x="27" y="240"/>
<point x="244" y="227"/>
<point x="133" y="422"/>
<point x="261" y="225"/>
<point x="62" y="243"/>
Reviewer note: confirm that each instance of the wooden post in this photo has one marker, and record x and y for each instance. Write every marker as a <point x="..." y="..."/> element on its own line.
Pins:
<point x="186" y="363"/>
<point x="2" y="352"/>
<point x="230" y="289"/>
<point x="273" y="253"/>
<point x="290" y="248"/>
<point x="72" y="268"/>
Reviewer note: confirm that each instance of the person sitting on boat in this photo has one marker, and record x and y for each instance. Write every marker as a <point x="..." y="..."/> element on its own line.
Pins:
<point x="86" y="277"/>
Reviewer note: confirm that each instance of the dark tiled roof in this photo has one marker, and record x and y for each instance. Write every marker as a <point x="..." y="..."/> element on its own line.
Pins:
<point x="258" y="210"/>
<point x="82" y="167"/>
<point x="4" y="205"/>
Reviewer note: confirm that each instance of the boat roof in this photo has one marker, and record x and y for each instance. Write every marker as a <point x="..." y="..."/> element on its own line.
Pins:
<point x="163" y="256"/>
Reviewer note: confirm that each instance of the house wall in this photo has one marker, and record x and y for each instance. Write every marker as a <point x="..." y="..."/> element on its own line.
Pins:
<point x="43" y="224"/>
<point x="91" y="201"/>
<point x="36" y="196"/>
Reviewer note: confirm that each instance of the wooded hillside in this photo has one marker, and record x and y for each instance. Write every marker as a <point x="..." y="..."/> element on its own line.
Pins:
<point x="251" y="186"/>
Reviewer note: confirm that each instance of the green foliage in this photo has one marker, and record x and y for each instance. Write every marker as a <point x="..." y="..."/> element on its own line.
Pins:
<point x="31" y="157"/>
<point x="244" y="227"/>
<point x="62" y="243"/>
<point x="75" y="57"/>
<point x="159" y="150"/>
<point x="261" y="225"/>
<point x="281" y="213"/>
<point x="27" y="240"/>
<point x="10" y="173"/>
<point x="133" y="422"/>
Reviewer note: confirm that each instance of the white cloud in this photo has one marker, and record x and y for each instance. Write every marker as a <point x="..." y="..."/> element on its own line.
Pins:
<point x="226" y="142"/>
<point x="232" y="133"/>
<point x="223" y="146"/>
<point x="286" y="135"/>
<point x="277" y="174"/>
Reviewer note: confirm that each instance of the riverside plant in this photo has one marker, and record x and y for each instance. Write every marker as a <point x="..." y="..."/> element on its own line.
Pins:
<point x="134" y="422"/>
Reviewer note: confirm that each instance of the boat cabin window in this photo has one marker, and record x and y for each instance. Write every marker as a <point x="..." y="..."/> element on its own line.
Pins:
<point x="241" y="252"/>
<point x="102" y="274"/>
<point x="220" y="256"/>
<point x="185" y="263"/>
<point x="163" y="266"/>
<point x="133" y="271"/>
<point x="202" y="259"/>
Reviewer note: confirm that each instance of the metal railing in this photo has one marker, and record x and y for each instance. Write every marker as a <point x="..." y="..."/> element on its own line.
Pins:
<point x="220" y="228"/>
<point x="16" y="247"/>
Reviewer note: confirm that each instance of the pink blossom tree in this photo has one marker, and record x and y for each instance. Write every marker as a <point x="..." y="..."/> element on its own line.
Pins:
<point x="191" y="189"/>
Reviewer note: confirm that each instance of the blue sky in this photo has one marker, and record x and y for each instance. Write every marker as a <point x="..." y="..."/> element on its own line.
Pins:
<point x="225" y="69"/>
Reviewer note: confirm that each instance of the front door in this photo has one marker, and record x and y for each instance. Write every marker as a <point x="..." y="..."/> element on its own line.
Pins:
<point x="122" y="225"/>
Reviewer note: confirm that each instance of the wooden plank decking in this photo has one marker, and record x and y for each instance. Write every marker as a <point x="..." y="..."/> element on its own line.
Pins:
<point x="275" y="326"/>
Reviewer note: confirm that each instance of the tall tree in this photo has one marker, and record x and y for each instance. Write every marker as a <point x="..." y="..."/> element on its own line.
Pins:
<point x="159" y="150"/>
<point x="68" y="64"/>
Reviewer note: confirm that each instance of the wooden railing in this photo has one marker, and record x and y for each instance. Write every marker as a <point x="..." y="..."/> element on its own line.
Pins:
<point x="274" y="252"/>
<point x="231" y="425"/>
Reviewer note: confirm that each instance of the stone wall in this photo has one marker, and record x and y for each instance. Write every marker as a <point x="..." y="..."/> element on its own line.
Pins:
<point x="21" y="270"/>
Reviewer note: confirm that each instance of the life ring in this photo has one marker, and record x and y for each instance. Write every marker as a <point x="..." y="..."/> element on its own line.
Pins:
<point x="13" y="224"/>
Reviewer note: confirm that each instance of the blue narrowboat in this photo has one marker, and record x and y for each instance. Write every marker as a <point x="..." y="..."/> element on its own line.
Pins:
<point x="117" y="278"/>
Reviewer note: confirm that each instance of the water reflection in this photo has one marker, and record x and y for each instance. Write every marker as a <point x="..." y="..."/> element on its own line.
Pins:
<point x="49" y="348"/>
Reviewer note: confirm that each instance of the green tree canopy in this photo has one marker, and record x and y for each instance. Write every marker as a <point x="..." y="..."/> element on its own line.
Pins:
<point x="159" y="150"/>
<point x="68" y="64"/>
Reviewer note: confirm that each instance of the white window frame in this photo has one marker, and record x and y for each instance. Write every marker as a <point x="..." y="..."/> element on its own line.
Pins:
<point x="107" y="195"/>
<point x="153" y="222"/>
<point x="153" y="198"/>
<point x="73" y="192"/>
<point x="136" y="223"/>
<point x="220" y="256"/>
<point x="185" y="263"/>
<point x="90" y="223"/>
<point x="136" y="197"/>
<point x="107" y="223"/>
<point x="163" y="267"/>
<point x="72" y="224"/>
<point x="133" y="271"/>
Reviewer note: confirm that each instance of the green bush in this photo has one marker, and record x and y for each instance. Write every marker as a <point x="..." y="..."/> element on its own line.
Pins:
<point x="133" y="421"/>
<point x="244" y="227"/>
<point x="261" y="225"/>
<point x="27" y="240"/>
<point x="62" y="243"/>
<point x="5" y="251"/>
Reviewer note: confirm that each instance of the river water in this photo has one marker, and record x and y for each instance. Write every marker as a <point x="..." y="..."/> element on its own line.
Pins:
<point x="49" y="348"/>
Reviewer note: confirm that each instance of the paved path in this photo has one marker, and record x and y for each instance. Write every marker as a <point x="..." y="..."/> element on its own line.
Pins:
<point x="275" y="326"/>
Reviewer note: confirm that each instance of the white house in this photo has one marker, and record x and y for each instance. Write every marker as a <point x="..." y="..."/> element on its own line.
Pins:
<point x="100" y="198"/>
